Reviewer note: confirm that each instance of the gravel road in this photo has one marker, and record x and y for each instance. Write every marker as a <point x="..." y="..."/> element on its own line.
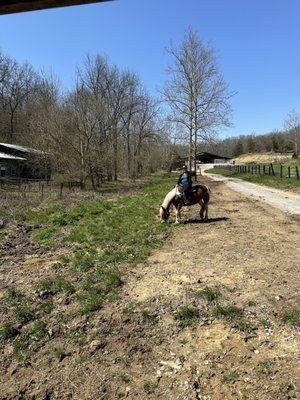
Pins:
<point x="284" y="201"/>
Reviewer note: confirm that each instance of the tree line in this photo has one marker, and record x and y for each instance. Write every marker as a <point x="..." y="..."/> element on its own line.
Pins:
<point x="106" y="126"/>
<point x="278" y="141"/>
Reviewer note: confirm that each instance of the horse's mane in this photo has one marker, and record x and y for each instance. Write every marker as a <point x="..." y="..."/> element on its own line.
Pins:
<point x="203" y="187"/>
<point x="169" y="198"/>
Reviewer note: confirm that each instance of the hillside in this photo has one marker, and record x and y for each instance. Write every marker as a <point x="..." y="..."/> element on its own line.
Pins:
<point x="266" y="157"/>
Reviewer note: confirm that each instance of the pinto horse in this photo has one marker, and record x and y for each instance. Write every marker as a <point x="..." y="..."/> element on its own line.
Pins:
<point x="199" y="194"/>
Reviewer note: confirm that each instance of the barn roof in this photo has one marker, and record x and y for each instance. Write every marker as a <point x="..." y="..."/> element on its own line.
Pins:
<point x="10" y="157"/>
<point x="23" y="149"/>
<point x="207" y="156"/>
<point x="13" y="6"/>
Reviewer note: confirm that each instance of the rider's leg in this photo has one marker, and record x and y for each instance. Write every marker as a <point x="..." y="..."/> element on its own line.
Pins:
<point x="185" y="189"/>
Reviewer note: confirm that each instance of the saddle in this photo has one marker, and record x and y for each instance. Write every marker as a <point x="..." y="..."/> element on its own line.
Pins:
<point x="191" y="191"/>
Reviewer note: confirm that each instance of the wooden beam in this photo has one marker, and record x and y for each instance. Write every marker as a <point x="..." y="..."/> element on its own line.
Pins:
<point x="14" y="6"/>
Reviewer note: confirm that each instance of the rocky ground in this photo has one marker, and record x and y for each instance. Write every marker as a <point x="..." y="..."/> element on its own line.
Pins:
<point x="210" y="315"/>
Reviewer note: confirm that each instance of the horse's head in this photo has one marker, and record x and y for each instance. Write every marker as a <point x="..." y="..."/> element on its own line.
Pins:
<point x="164" y="214"/>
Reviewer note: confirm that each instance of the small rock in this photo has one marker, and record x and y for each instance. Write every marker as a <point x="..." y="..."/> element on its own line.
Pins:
<point x="96" y="345"/>
<point x="256" y="351"/>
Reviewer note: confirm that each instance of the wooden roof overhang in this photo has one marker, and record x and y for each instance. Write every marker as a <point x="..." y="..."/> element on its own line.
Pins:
<point x="14" y="6"/>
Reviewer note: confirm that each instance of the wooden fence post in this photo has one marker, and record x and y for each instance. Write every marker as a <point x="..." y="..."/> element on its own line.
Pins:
<point x="281" y="171"/>
<point x="289" y="171"/>
<point x="272" y="169"/>
<point x="259" y="169"/>
<point x="264" y="169"/>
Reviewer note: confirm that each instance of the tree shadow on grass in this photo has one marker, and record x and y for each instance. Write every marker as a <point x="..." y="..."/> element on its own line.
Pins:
<point x="208" y="221"/>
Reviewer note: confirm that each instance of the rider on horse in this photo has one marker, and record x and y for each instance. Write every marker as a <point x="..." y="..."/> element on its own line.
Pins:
<point x="185" y="181"/>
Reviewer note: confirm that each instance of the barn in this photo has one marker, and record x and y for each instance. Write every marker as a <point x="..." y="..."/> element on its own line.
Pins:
<point x="209" y="158"/>
<point x="23" y="162"/>
<point x="204" y="158"/>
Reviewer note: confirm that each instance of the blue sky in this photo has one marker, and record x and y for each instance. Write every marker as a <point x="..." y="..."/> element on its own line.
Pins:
<point x="257" y="44"/>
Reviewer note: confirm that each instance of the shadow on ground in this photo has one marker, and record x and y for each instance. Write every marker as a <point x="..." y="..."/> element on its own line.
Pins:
<point x="208" y="221"/>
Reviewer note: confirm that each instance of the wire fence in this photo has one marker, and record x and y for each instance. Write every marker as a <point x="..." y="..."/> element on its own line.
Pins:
<point x="15" y="192"/>
<point x="280" y="170"/>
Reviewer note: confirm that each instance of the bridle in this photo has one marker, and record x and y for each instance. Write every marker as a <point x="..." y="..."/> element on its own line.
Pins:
<point x="166" y="212"/>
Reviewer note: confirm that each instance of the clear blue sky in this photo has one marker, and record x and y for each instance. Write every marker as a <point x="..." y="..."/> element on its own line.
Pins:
<point x="257" y="43"/>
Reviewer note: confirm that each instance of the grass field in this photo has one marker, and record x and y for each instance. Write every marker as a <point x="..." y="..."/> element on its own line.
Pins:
<point x="97" y="302"/>
<point x="268" y="180"/>
<point x="101" y="237"/>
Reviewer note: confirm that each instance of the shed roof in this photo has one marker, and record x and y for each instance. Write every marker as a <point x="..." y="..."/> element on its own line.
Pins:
<point x="25" y="149"/>
<point x="9" y="157"/>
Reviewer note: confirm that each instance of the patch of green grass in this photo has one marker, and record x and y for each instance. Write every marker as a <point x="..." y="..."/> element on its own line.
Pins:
<point x="149" y="387"/>
<point x="21" y="349"/>
<point x="233" y="315"/>
<point x="89" y="301"/>
<point x="229" y="312"/>
<point x="125" y="378"/>
<point x="231" y="377"/>
<point x="13" y="296"/>
<point x="209" y="293"/>
<point x="7" y="332"/>
<point x="148" y="317"/>
<point x="58" y="353"/>
<point x="44" y="307"/>
<point x="186" y="315"/>
<point x="44" y="235"/>
<point x="264" y="366"/>
<point x="75" y="335"/>
<point x="272" y="301"/>
<point x="55" y="284"/>
<point x="37" y="331"/>
<point x="83" y="260"/>
<point x="285" y="387"/>
<point x="17" y="307"/>
<point x="24" y="313"/>
<point x="183" y="341"/>
<point x="100" y="285"/>
<point x="292" y="316"/>
<point x="26" y="344"/>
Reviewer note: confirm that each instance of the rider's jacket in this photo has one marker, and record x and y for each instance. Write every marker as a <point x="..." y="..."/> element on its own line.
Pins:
<point x="185" y="179"/>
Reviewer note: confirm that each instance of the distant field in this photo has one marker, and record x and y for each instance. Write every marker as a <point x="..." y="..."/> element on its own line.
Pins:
<point x="263" y="157"/>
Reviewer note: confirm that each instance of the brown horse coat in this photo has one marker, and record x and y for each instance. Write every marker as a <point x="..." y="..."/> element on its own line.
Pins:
<point x="199" y="194"/>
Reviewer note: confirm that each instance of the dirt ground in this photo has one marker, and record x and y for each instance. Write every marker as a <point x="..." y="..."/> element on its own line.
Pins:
<point x="138" y="350"/>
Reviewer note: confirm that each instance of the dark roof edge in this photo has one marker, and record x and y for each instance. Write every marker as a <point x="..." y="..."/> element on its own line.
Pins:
<point x="15" y="6"/>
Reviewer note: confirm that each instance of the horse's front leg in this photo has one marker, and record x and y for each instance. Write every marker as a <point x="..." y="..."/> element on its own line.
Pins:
<point x="177" y="215"/>
<point x="204" y="210"/>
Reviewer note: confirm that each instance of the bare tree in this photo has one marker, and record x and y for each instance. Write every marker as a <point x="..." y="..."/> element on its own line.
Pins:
<point x="196" y="92"/>
<point x="292" y="124"/>
<point x="17" y="82"/>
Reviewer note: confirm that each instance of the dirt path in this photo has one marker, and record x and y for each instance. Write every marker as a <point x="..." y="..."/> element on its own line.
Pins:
<point x="284" y="201"/>
<point x="137" y="349"/>
<point x="251" y="252"/>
